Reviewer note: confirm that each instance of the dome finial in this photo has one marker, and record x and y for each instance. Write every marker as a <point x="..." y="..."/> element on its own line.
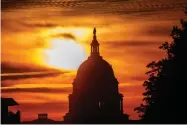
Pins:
<point x="94" y="31"/>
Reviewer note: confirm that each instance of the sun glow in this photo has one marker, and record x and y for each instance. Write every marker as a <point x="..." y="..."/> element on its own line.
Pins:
<point x="65" y="54"/>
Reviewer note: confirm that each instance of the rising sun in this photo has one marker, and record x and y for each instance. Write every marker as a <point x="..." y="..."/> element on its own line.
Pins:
<point x="65" y="54"/>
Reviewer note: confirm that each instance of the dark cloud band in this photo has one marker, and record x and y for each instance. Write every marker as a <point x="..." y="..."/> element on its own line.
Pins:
<point x="65" y="35"/>
<point x="37" y="90"/>
<point x="10" y="76"/>
<point x="130" y="43"/>
<point x="98" y="6"/>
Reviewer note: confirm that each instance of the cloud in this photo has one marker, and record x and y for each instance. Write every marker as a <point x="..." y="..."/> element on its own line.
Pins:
<point x="8" y="24"/>
<point x="37" y="90"/>
<point x="39" y="25"/>
<point x="158" y="30"/>
<point x="12" y="67"/>
<point x="120" y="7"/>
<point x="22" y="4"/>
<point x="65" y="35"/>
<point x="17" y="76"/>
<point x="122" y="44"/>
<point x="62" y="80"/>
<point x="15" y="71"/>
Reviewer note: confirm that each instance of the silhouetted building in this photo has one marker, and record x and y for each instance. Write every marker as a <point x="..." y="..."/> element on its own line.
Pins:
<point x="95" y="97"/>
<point x="8" y="117"/>
<point x="43" y="116"/>
<point x="43" y="119"/>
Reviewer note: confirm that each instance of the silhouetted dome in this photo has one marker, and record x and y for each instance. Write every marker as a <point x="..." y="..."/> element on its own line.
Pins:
<point x="95" y="74"/>
<point x="97" y="67"/>
<point x="95" y="97"/>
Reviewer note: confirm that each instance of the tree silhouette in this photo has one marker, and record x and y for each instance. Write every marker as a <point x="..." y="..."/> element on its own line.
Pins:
<point x="165" y="90"/>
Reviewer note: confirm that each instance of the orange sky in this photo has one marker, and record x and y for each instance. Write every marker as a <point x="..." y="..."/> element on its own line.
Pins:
<point x="40" y="37"/>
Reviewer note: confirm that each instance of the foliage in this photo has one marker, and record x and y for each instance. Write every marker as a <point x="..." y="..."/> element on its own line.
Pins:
<point x="165" y="90"/>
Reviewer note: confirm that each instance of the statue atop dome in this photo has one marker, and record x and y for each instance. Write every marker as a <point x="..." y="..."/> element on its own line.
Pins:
<point x="95" y="97"/>
<point x="94" y="31"/>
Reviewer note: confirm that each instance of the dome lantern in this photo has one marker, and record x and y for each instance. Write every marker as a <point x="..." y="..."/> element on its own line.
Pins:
<point x="94" y="45"/>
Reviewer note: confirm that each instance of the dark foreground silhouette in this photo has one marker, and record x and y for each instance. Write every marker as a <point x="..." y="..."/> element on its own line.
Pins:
<point x="165" y="98"/>
<point x="95" y="97"/>
<point x="8" y="117"/>
<point x="43" y="119"/>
